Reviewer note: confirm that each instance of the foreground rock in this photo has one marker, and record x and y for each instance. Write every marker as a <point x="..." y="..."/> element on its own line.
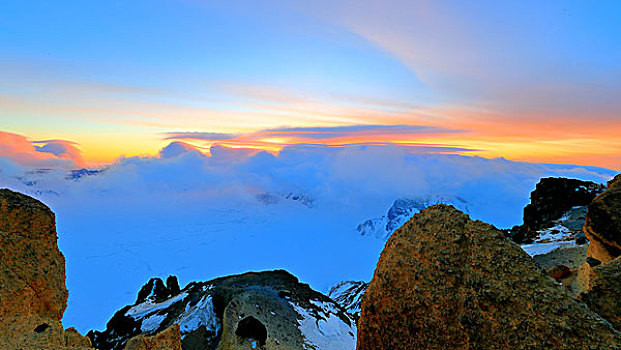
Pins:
<point x="603" y="291"/>
<point x="603" y="223"/>
<point x="168" y="339"/>
<point x="552" y="199"/>
<point x="444" y="281"/>
<point x="33" y="296"/>
<point x="266" y="310"/>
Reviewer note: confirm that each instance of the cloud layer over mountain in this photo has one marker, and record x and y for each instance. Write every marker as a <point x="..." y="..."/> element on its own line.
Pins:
<point x="202" y="216"/>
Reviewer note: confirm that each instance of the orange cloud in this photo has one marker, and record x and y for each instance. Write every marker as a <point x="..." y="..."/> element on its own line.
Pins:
<point x="51" y="153"/>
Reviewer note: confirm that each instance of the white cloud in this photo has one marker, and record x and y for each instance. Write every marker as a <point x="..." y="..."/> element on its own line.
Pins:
<point x="201" y="217"/>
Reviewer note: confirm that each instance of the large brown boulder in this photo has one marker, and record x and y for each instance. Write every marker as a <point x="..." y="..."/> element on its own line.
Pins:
<point x="444" y="281"/>
<point x="33" y="296"/>
<point x="603" y="292"/>
<point x="168" y="339"/>
<point x="603" y="223"/>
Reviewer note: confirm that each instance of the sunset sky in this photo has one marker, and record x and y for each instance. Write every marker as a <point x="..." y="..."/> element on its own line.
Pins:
<point x="525" y="80"/>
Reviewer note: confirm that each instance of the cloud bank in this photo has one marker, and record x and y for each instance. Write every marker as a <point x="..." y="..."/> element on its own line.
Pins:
<point x="201" y="216"/>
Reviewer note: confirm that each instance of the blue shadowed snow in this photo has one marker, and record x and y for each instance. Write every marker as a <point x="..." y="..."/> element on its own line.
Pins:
<point x="203" y="217"/>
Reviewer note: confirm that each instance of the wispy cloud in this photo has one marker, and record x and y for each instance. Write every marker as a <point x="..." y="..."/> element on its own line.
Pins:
<point x="276" y="139"/>
<point x="62" y="149"/>
<point x="197" y="135"/>
<point x="512" y="57"/>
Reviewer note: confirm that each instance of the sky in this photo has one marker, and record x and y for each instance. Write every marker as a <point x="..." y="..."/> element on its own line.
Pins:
<point x="91" y="81"/>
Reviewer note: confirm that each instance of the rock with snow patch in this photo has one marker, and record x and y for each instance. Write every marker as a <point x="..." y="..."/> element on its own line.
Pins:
<point x="552" y="198"/>
<point x="81" y="173"/>
<point x="156" y="291"/>
<point x="348" y="295"/>
<point x="266" y="310"/>
<point x="444" y="281"/>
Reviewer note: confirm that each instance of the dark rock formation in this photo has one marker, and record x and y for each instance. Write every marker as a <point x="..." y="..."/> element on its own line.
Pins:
<point x="444" y="281"/>
<point x="552" y="198"/>
<point x="156" y="291"/>
<point x="348" y="295"/>
<point x="33" y="296"/>
<point x="592" y="261"/>
<point x="267" y="310"/>
<point x="603" y="223"/>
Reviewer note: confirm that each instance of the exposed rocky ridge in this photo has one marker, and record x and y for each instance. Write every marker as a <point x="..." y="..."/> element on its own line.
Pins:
<point x="33" y="296"/>
<point x="552" y="198"/>
<point x="401" y="210"/>
<point x="566" y="233"/>
<point x="603" y="223"/>
<point x="445" y="281"/>
<point x="267" y="310"/>
<point x="348" y="295"/>
<point x="156" y="291"/>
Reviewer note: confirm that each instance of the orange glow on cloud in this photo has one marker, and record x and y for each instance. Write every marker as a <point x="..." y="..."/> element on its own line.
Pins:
<point x="517" y="142"/>
<point x="51" y="153"/>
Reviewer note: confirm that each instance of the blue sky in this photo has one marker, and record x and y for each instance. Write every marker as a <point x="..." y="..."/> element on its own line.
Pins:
<point x="88" y="71"/>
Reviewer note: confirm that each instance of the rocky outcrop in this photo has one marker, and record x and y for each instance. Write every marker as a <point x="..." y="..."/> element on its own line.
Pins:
<point x="168" y="339"/>
<point x="263" y="310"/>
<point x="33" y="296"/>
<point x="156" y="291"/>
<point x="445" y="281"/>
<point x="603" y="223"/>
<point x="603" y="292"/>
<point x="552" y="198"/>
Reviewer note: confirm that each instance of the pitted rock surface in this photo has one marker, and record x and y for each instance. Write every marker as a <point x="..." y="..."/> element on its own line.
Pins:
<point x="444" y="281"/>
<point x="33" y="296"/>
<point x="603" y="292"/>
<point x="168" y="339"/>
<point x="603" y="223"/>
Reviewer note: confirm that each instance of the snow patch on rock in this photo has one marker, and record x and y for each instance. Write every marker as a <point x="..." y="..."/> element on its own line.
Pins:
<point x="325" y="330"/>
<point x="201" y="314"/>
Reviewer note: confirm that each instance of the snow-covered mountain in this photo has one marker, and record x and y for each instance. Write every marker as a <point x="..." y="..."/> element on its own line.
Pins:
<point x="401" y="211"/>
